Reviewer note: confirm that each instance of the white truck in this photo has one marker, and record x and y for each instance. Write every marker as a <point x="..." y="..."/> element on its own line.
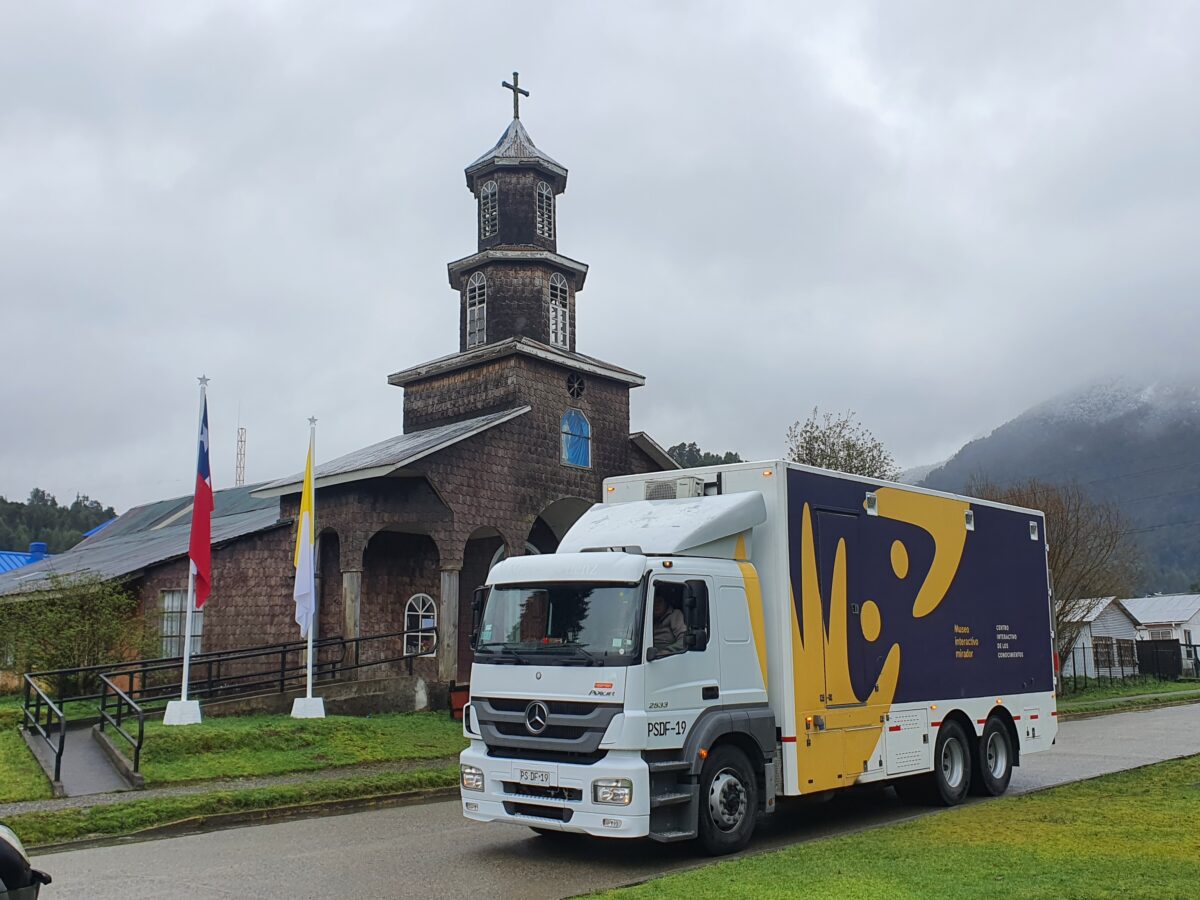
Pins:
<point x="707" y="641"/>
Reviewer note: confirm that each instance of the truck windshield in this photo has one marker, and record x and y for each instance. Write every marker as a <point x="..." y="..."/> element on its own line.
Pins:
<point x="562" y="624"/>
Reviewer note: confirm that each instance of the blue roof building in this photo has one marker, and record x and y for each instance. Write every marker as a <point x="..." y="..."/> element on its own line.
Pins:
<point x="15" y="559"/>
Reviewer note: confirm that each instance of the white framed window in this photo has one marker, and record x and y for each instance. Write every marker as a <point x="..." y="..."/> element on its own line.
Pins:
<point x="477" y="310"/>
<point x="545" y="210"/>
<point x="489" y="210"/>
<point x="1161" y="634"/>
<point x="560" y="311"/>
<point x="420" y="612"/>
<point x="174" y="624"/>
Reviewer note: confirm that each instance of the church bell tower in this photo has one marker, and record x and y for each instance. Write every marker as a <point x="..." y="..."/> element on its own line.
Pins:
<point x="516" y="284"/>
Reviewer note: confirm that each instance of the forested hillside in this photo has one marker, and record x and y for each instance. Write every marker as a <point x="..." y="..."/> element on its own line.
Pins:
<point x="1135" y="444"/>
<point x="41" y="518"/>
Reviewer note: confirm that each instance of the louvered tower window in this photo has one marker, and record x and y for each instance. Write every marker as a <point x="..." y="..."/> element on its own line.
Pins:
<point x="476" y="310"/>
<point x="545" y="210"/>
<point x="489" y="210"/>
<point x="560" y="312"/>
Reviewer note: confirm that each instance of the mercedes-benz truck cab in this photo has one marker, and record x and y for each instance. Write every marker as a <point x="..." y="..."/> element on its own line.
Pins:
<point x="763" y="630"/>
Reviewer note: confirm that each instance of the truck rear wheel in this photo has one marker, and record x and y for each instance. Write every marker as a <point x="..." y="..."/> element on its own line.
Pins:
<point x="995" y="760"/>
<point x="951" y="765"/>
<point x="728" y="801"/>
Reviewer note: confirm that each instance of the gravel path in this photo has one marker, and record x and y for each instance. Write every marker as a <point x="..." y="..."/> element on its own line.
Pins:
<point x="225" y="784"/>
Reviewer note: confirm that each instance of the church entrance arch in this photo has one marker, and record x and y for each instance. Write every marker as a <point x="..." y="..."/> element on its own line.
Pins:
<point x="399" y="562"/>
<point x="555" y="521"/>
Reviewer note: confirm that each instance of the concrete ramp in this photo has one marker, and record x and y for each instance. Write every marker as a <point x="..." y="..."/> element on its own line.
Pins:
<point x="86" y="767"/>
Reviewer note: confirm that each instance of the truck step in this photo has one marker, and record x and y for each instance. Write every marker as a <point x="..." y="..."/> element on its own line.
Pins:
<point x="670" y="798"/>
<point x="668" y="837"/>
<point x="668" y="765"/>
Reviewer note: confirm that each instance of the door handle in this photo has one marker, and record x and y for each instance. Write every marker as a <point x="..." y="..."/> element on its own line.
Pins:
<point x="711" y="692"/>
<point x="854" y="609"/>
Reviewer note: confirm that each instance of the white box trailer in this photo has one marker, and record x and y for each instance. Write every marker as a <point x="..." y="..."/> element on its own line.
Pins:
<point x="707" y="641"/>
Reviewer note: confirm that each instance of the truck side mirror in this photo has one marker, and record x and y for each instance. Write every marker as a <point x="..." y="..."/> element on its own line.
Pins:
<point x="477" y="601"/>
<point x="695" y="613"/>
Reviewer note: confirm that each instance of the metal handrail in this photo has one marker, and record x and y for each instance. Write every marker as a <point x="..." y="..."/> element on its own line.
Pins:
<point x="34" y="720"/>
<point x="138" y="694"/>
<point x="123" y="700"/>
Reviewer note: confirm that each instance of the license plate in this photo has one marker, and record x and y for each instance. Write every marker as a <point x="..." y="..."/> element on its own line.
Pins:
<point x="539" y="777"/>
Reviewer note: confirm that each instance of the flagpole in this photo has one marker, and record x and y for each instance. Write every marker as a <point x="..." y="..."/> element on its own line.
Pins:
<point x="189" y="713"/>
<point x="308" y="706"/>
<point x="312" y="452"/>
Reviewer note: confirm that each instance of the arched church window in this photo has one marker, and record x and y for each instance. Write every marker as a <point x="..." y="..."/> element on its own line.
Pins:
<point x="560" y="324"/>
<point x="576" y="439"/>
<point x="545" y="210"/>
<point x="489" y="210"/>
<point x="477" y="310"/>
<point x="419" y="613"/>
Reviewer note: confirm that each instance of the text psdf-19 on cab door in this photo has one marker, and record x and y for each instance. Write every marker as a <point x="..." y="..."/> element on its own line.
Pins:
<point x="831" y="631"/>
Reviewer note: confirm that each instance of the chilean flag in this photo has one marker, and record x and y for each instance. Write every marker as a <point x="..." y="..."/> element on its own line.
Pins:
<point x="200" y="545"/>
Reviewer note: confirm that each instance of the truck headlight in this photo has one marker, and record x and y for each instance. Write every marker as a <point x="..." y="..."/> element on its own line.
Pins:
<point x="472" y="778"/>
<point x="614" y="791"/>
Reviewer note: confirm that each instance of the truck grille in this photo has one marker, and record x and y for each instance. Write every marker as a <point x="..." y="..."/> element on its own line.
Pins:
<point x="572" y="729"/>
<point x="535" y="811"/>
<point x="516" y="789"/>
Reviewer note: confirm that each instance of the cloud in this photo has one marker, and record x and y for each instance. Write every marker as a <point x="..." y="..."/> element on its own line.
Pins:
<point x="934" y="215"/>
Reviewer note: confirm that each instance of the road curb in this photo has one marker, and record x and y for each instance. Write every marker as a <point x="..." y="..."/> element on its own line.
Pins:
<point x="222" y="821"/>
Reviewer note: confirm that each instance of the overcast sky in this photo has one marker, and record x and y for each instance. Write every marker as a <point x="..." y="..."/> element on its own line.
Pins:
<point x="936" y="214"/>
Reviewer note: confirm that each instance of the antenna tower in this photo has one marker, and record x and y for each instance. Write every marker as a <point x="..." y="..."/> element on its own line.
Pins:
<point x="239" y="477"/>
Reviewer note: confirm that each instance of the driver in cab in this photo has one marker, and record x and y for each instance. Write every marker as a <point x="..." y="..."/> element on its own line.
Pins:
<point x="670" y="629"/>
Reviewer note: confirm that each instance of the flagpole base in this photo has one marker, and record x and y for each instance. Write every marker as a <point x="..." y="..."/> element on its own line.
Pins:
<point x="308" y="708"/>
<point x="182" y="712"/>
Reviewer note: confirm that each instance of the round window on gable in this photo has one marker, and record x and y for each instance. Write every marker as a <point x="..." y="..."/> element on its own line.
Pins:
<point x="575" y="385"/>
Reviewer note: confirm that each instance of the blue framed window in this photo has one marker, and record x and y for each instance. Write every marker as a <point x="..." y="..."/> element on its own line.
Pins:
<point x="576" y="439"/>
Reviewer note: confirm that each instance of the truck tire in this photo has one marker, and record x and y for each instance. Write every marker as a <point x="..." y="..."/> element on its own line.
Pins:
<point x="728" y="801"/>
<point x="951" y="765"/>
<point x="994" y="771"/>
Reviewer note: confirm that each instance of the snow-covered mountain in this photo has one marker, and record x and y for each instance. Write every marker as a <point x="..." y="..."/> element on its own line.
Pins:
<point x="1136" y="443"/>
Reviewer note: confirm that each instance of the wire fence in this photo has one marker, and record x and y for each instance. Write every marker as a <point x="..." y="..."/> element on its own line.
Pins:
<point x="1121" y="662"/>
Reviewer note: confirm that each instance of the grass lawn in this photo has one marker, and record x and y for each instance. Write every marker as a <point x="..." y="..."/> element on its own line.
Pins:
<point x="1104" y="690"/>
<point x="21" y="778"/>
<point x="1133" y="834"/>
<point x="275" y="745"/>
<point x="37" y="829"/>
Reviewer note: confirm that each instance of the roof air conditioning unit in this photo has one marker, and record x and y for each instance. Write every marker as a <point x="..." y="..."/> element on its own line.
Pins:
<point x="674" y="488"/>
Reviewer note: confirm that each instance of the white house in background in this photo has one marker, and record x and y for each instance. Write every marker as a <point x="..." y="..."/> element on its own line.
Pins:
<point x="1170" y="617"/>
<point x="1105" y="647"/>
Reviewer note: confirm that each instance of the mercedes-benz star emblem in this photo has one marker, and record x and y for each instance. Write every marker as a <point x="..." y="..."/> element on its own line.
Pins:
<point x="537" y="714"/>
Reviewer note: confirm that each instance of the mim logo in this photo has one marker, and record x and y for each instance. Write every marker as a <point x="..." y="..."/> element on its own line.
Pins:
<point x="537" y="716"/>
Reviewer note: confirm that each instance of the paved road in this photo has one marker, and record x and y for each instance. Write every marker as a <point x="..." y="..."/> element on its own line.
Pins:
<point x="431" y="850"/>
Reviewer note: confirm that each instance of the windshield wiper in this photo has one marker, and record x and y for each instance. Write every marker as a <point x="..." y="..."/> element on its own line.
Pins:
<point x="592" y="658"/>
<point x="503" y="649"/>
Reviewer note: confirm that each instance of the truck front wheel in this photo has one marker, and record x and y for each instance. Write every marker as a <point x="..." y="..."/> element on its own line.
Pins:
<point x="728" y="801"/>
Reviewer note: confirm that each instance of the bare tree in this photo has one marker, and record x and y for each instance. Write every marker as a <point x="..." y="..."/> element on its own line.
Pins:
<point x="1090" y="553"/>
<point x="841" y="443"/>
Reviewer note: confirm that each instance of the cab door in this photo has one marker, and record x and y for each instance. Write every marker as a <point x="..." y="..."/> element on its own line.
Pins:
<point x="680" y="686"/>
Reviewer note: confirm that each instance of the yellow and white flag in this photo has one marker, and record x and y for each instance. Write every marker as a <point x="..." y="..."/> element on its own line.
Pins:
<point x="305" y="592"/>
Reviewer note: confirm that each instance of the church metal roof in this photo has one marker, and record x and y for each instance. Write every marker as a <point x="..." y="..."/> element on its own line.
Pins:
<point x="148" y="535"/>
<point x="388" y="456"/>
<point x="527" y="346"/>
<point x="516" y="147"/>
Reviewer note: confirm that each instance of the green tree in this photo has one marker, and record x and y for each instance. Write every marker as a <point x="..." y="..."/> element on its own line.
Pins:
<point x="42" y="518"/>
<point x="689" y="456"/>
<point x="840" y="443"/>
<point x="75" y="621"/>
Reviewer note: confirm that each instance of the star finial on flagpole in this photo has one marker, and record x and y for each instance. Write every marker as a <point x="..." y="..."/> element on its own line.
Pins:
<point x="312" y="421"/>
<point x="204" y="380"/>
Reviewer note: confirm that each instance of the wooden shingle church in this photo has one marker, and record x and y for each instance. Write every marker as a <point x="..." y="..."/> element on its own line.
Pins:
<point x="506" y="442"/>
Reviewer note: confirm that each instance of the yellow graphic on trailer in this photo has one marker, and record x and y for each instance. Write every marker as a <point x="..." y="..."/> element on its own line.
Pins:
<point x="837" y="731"/>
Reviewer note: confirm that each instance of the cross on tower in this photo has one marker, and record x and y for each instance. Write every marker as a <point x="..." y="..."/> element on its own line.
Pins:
<point x="516" y="88"/>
